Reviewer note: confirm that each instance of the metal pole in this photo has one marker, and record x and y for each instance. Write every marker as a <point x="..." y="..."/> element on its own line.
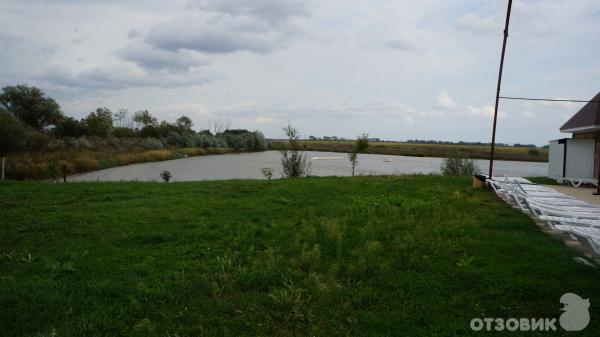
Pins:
<point x="490" y="175"/>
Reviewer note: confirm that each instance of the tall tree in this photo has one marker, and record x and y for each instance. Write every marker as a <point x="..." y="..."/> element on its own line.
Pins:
<point x="12" y="136"/>
<point x="144" y="118"/>
<point x="184" y="124"/>
<point x="100" y="122"/>
<point x="30" y="105"/>
<point x="121" y="117"/>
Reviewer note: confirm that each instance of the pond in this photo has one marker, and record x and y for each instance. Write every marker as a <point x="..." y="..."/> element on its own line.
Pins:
<point x="248" y="166"/>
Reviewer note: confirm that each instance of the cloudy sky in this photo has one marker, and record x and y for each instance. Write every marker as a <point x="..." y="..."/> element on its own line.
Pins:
<point x="394" y="69"/>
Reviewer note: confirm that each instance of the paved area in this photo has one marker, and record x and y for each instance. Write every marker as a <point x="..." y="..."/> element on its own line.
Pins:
<point x="581" y="193"/>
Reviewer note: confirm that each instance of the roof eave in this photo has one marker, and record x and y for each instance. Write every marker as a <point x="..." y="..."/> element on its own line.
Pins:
<point x="588" y="128"/>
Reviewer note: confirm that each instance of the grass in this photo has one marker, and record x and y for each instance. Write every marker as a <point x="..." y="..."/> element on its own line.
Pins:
<point x="364" y="256"/>
<point x="427" y="150"/>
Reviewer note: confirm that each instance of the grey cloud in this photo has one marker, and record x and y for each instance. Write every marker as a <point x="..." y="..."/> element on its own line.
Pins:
<point x="227" y="26"/>
<point x="153" y="59"/>
<point x="405" y="44"/>
<point x="119" y="77"/>
<point x="270" y="10"/>
<point x="215" y="35"/>
<point x="133" y="34"/>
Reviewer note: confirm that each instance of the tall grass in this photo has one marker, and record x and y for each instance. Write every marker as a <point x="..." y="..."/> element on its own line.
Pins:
<point x="424" y="150"/>
<point x="34" y="165"/>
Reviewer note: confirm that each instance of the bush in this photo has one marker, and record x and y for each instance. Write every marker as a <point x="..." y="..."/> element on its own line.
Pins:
<point x="150" y="131"/>
<point x="533" y="152"/>
<point x="150" y="144"/>
<point x="52" y="170"/>
<point x="293" y="161"/>
<point x="166" y="176"/>
<point x="457" y="166"/>
<point x="36" y="141"/>
<point x="244" y="140"/>
<point x="123" y="132"/>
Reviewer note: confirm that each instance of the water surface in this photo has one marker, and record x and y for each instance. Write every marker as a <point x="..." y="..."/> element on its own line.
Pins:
<point x="248" y="166"/>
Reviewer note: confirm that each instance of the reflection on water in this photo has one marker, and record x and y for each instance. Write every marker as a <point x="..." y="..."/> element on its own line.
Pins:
<point x="248" y="165"/>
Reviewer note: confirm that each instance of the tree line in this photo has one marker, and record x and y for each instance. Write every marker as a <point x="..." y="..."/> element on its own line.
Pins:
<point x="31" y="121"/>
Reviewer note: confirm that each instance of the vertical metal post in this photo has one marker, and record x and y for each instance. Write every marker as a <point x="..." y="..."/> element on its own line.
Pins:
<point x="597" y="164"/>
<point x="490" y="174"/>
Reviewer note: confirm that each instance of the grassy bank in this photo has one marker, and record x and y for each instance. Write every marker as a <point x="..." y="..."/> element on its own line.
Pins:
<point x="427" y="150"/>
<point x="44" y="165"/>
<point x="365" y="256"/>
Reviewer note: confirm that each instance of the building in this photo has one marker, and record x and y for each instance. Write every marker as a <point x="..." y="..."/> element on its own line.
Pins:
<point x="577" y="157"/>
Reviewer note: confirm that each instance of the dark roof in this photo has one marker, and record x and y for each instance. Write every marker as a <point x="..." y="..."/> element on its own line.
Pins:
<point x="588" y="116"/>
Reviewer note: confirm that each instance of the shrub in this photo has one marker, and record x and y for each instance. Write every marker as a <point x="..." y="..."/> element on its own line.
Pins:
<point x="52" y="170"/>
<point x="293" y="161"/>
<point x="166" y="176"/>
<point x="36" y="141"/>
<point x="81" y="143"/>
<point x="121" y="132"/>
<point x="533" y="152"/>
<point x="178" y="140"/>
<point x="150" y="131"/>
<point x="457" y="166"/>
<point x="150" y="143"/>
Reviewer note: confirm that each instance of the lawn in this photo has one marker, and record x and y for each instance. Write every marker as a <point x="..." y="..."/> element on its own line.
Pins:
<point x="364" y="256"/>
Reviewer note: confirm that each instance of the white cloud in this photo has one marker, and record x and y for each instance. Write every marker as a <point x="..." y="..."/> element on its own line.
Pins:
<point x="446" y="102"/>
<point x="479" y="23"/>
<point x="484" y="111"/>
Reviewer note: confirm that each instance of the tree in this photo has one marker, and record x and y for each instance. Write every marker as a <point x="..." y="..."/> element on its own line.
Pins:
<point x="100" y="122"/>
<point x="120" y="117"/>
<point x="70" y="127"/>
<point x="144" y="118"/>
<point x="12" y="136"/>
<point x="216" y="126"/>
<point x="361" y="144"/>
<point x="184" y="124"/>
<point x="31" y="106"/>
<point x="293" y="161"/>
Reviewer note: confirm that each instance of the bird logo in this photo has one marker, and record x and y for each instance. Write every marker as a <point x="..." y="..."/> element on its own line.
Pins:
<point x="576" y="315"/>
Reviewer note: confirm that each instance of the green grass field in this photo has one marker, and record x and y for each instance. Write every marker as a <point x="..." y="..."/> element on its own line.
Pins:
<point x="426" y="150"/>
<point x="364" y="256"/>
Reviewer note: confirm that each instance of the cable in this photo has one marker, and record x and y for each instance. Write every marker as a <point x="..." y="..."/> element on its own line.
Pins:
<point x="548" y="99"/>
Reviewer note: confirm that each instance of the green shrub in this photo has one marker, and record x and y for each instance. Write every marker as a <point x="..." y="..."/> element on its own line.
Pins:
<point x="293" y="161"/>
<point x="52" y="170"/>
<point x="166" y="176"/>
<point x="457" y="166"/>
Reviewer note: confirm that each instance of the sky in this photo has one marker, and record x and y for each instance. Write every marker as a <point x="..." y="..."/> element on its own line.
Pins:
<point x="394" y="69"/>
